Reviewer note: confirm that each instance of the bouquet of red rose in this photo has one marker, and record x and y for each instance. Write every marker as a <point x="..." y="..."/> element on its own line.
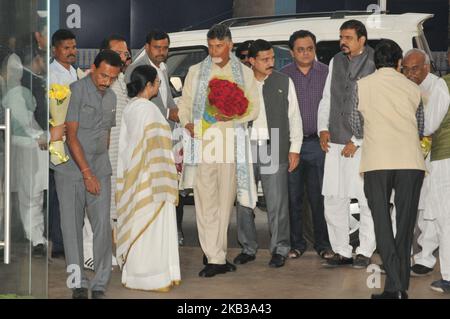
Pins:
<point x="226" y="101"/>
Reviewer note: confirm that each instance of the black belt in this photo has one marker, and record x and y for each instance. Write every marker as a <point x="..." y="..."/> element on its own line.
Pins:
<point x="310" y="136"/>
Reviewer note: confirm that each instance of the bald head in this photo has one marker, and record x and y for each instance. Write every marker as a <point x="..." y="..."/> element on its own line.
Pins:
<point x="416" y="65"/>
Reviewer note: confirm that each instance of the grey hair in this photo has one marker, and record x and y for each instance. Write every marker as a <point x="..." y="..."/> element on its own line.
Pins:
<point x="415" y="50"/>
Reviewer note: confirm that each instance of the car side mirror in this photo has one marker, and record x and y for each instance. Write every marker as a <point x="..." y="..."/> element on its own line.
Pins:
<point x="176" y="83"/>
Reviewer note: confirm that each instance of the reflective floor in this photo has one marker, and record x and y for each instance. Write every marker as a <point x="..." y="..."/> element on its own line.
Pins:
<point x="299" y="278"/>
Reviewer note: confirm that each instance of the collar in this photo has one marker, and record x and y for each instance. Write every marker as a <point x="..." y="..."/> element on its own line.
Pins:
<point x="313" y="68"/>
<point x="161" y="67"/>
<point x="427" y="83"/>
<point x="90" y="85"/>
<point x="61" y="68"/>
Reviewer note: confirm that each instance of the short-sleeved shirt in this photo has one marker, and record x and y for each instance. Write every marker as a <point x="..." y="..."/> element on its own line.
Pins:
<point x="95" y="114"/>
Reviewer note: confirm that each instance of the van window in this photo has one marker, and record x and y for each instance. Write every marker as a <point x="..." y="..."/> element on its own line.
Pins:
<point x="178" y="63"/>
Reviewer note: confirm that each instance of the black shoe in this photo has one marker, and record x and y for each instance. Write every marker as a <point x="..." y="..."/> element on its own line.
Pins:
<point x="361" y="262"/>
<point x="211" y="270"/>
<point x="38" y="251"/>
<point x="243" y="258"/>
<point x="338" y="260"/>
<point x="277" y="261"/>
<point x="58" y="254"/>
<point x="382" y="270"/>
<point x="419" y="270"/>
<point x="80" y="293"/>
<point x="391" y="295"/>
<point x="230" y="266"/>
<point x="98" y="294"/>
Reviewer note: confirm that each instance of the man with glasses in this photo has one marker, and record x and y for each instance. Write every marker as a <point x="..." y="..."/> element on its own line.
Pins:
<point x="242" y="52"/>
<point x="435" y="98"/>
<point x="309" y="78"/>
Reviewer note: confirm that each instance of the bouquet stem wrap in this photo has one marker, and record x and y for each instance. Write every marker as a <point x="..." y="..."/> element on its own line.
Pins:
<point x="59" y="96"/>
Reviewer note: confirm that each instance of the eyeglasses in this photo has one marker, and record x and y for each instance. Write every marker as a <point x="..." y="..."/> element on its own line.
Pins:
<point x="412" y="69"/>
<point x="243" y="56"/>
<point x="126" y="54"/>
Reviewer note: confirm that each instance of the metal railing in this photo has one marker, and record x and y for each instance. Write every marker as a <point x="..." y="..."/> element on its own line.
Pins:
<point x="6" y="243"/>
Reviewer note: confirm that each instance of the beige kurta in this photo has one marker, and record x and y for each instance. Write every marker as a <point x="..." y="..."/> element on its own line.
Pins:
<point x="214" y="179"/>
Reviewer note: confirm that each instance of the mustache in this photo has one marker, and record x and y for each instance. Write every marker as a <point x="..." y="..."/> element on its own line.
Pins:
<point x="270" y="68"/>
<point x="71" y="55"/>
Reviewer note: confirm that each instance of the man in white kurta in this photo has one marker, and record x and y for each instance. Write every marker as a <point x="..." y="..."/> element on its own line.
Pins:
<point x="437" y="125"/>
<point x="341" y="181"/>
<point x="416" y="66"/>
<point x="215" y="176"/>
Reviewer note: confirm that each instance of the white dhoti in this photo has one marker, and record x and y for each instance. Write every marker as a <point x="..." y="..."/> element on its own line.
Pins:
<point x="341" y="183"/>
<point x="428" y="238"/>
<point x="153" y="259"/>
<point x="438" y="207"/>
<point x="29" y="180"/>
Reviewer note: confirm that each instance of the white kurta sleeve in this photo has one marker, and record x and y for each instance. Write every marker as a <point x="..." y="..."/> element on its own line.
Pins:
<point x="323" y="116"/>
<point x="295" y="121"/>
<point x="438" y="105"/>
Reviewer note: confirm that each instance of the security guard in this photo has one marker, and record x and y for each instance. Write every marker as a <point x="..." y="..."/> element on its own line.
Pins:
<point x="85" y="180"/>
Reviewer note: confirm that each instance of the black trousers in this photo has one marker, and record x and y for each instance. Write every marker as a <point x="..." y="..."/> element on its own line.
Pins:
<point x="309" y="175"/>
<point x="54" y="220"/>
<point x="395" y="251"/>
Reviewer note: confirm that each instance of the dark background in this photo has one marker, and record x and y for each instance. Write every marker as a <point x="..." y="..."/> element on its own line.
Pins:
<point x="133" y="18"/>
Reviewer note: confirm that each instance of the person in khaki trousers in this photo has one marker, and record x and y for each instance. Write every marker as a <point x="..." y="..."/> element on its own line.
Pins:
<point x="216" y="178"/>
<point x="388" y="115"/>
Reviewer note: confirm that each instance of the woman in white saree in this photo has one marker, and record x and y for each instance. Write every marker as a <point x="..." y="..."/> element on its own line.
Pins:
<point x="147" y="191"/>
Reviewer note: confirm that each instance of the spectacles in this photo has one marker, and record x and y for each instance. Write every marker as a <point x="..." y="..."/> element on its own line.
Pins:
<point x="412" y="69"/>
<point x="243" y="56"/>
<point x="126" y="54"/>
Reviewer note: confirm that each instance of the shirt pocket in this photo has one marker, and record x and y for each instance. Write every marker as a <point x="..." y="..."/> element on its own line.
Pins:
<point x="88" y="116"/>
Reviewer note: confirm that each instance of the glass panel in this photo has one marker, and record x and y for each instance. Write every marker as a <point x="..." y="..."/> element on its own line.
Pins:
<point x="23" y="56"/>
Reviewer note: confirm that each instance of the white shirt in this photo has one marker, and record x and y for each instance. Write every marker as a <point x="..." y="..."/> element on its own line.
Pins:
<point x="260" y="130"/>
<point x="60" y="75"/>
<point x="323" y="116"/>
<point x="162" y="76"/>
<point x="436" y="101"/>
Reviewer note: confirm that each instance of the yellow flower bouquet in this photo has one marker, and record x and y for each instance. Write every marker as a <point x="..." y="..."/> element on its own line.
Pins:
<point x="425" y="144"/>
<point x="59" y="96"/>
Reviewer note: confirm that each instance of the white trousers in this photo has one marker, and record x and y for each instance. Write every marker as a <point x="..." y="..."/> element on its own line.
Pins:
<point x="341" y="183"/>
<point x="428" y="240"/>
<point x="438" y="206"/>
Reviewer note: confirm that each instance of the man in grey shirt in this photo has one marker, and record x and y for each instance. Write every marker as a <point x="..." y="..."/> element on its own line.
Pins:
<point x="85" y="180"/>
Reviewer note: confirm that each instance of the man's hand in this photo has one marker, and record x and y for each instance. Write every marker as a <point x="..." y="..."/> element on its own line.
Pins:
<point x="42" y="142"/>
<point x="294" y="159"/>
<point x="324" y="140"/>
<point x="173" y="115"/>
<point x="92" y="184"/>
<point x="57" y="132"/>
<point x="349" y="149"/>
<point x="190" y="128"/>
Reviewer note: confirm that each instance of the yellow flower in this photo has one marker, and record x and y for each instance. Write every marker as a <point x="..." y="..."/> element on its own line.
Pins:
<point x="425" y="144"/>
<point x="58" y="92"/>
